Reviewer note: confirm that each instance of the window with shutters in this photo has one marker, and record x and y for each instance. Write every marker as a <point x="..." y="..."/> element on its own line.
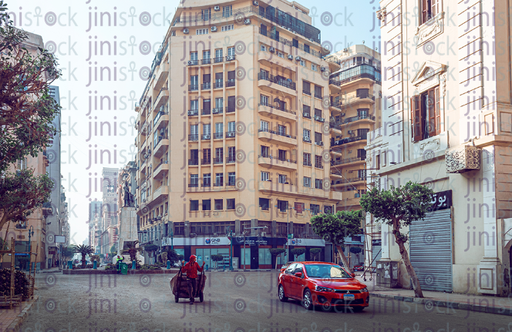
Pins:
<point x="231" y="104"/>
<point x="429" y="9"/>
<point x="299" y="207"/>
<point x="426" y="114"/>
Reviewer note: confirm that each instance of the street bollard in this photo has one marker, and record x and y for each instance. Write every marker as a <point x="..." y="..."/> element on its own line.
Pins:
<point x="168" y="264"/>
<point x="95" y="265"/>
<point x="134" y="265"/>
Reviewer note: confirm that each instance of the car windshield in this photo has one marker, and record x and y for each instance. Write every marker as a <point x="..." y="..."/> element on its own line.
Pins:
<point x="326" y="271"/>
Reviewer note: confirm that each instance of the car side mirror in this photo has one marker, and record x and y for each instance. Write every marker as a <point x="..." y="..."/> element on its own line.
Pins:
<point x="298" y="274"/>
<point x="353" y="275"/>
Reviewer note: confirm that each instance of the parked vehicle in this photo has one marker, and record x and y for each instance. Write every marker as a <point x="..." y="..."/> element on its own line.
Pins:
<point x="358" y="268"/>
<point x="325" y="284"/>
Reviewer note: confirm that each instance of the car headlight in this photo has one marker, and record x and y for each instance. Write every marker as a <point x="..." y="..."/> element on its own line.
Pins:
<point x="364" y="290"/>
<point x="323" y="289"/>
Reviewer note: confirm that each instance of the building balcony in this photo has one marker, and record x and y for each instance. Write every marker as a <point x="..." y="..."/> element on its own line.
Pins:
<point x="277" y="111"/>
<point x="193" y="62"/>
<point x="369" y="118"/>
<point x="218" y="160"/>
<point x="193" y="137"/>
<point x="335" y="128"/>
<point x="161" y="120"/>
<point x="206" y="111"/>
<point x="352" y="102"/>
<point x="206" y="137"/>
<point x="206" y="86"/>
<point x="206" y="161"/>
<point x="206" y="61"/>
<point x="230" y="134"/>
<point x="194" y="87"/>
<point x="345" y="141"/>
<point x="159" y="195"/>
<point x="193" y="162"/>
<point x="230" y="83"/>
<point x="161" y="146"/>
<point x="218" y="59"/>
<point x="193" y="112"/>
<point x="230" y="159"/>
<point x="218" y="135"/>
<point x="271" y="59"/>
<point x="271" y="83"/>
<point x="269" y="186"/>
<point x="218" y="84"/>
<point x="337" y="195"/>
<point x="161" y="170"/>
<point x="273" y="162"/>
<point x="161" y="75"/>
<point x="345" y="162"/>
<point x="350" y="181"/>
<point x="218" y="110"/>
<point x="268" y="135"/>
<point x="162" y="98"/>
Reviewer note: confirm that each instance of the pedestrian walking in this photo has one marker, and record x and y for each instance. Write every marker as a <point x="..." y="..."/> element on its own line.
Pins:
<point x="191" y="269"/>
<point x="119" y="259"/>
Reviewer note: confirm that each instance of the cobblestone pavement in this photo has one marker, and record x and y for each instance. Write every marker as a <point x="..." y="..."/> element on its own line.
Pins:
<point x="234" y="302"/>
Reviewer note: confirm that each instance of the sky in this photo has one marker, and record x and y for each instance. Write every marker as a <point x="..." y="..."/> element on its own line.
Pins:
<point x="119" y="38"/>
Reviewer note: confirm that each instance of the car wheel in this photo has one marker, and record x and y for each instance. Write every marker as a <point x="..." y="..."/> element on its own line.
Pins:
<point x="307" y="300"/>
<point x="281" y="295"/>
<point x="358" y="309"/>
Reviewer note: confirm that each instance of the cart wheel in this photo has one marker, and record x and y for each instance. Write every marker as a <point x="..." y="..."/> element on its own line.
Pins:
<point x="201" y="297"/>
<point x="176" y="298"/>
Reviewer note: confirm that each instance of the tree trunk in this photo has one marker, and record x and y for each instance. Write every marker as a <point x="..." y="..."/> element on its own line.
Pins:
<point x="343" y="259"/>
<point x="405" y="257"/>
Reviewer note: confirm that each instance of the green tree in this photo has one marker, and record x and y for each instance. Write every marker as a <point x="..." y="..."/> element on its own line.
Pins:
<point x="217" y="258"/>
<point x="68" y="252"/>
<point x="315" y="252"/>
<point x="336" y="227"/>
<point x="398" y="207"/>
<point x="84" y="250"/>
<point x="172" y="256"/>
<point x="275" y="252"/>
<point x="297" y="252"/>
<point x="151" y="249"/>
<point x="132" y="250"/>
<point x="26" y="114"/>
<point x="113" y="250"/>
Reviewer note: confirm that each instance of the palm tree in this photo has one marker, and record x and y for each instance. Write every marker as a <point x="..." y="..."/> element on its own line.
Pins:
<point x="84" y="250"/>
<point x="132" y="250"/>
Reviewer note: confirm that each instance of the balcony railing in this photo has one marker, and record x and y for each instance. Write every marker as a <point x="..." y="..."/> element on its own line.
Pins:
<point x="231" y="57"/>
<point x="217" y="160"/>
<point x="277" y="108"/>
<point x="193" y="162"/>
<point x="193" y="185"/>
<point x="218" y="135"/>
<point x="206" y="86"/>
<point x="306" y="115"/>
<point x="347" y="140"/>
<point x="193" y="137"/>
<point x="206" y="61"/>
<point x="230" y="83"/>
<point x="230" y="109"/>
<point x="206" y="161"/>
<point x="218" y="59"/>
<point x="218" y="110"/>
<point x="193" y="62"/>
<point x="193" y="112"/>
<point x="230" y="159"/>
<point x="346" y="161"/>
<point x="157" y="117"/>
<point x="219" y="84"/>
<point x="287" y="83"/>
<point x="319" y="143"/>
<point x="342" y="181"/>
<point x="336" y="103"/>
<point x="335" y="125"/>
<point x="319" y="118"/>
<point x="206" y="112"/>
<point x="205" y="137"/>
<point x="193" y="87"/>
<point x="360" y="117"/>
<point x="318" y="96"/>
<point x="230" y="134"/>
<point x="276" y="133"/>
<point x="306" y="139"/>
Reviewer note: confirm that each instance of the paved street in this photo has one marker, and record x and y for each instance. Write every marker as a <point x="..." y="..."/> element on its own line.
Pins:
<point x="233" y="302"/>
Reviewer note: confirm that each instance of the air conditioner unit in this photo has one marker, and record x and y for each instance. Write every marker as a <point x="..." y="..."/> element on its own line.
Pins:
<point x="345" y="50"/>
<point x="173" y="33"/>
<point x="206" y="136"/>
<point x="216" y="8"/>
<point x="185" y="31"/>
<point x="297" y="58"/>
<point x="256" y="3"/>
<point x="230" y="134"/>
<point x="290" y="57"/>
<point x="247" y="21"/>
<point x="342" y="114"/>
<point x="272" y="49"/>
<point x="214" y="28"/>
<point x="322" y="69"/>
<point x="350" y="132"/>
<point x="230" y="58"/>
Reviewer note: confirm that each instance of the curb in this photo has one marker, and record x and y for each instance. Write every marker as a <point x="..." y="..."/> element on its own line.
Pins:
<point x="431" y="304"/>
<point x="16" y="324"/>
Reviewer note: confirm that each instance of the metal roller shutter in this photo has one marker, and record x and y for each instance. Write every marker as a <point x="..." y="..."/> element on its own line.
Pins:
<point x="431" y="250"/>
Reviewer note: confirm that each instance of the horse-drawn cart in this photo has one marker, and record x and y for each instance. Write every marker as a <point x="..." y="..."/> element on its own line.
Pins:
<point x="180" y="284"/>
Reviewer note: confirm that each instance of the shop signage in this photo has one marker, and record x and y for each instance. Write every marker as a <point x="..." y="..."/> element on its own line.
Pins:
<point x="252" y="241"/>
<point x="441" y="200"/>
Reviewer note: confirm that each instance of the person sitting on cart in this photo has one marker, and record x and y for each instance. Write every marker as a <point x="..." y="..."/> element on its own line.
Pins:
<point x="191" y="269"/>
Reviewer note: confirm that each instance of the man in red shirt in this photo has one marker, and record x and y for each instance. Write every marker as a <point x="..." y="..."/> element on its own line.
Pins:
<point x="191" y="269"/>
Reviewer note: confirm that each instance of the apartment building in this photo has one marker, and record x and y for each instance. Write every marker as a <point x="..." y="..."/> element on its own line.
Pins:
<point x="237" y="142"/>
<point x="446" y="123"/>
<point x="94" y="222"/>
<point x="127" y="232"/>
<point x="108" y="224"/>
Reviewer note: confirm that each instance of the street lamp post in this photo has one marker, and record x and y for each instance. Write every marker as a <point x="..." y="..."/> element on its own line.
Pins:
<point x="30" y="233"/>
<point x="230" y="235"/>
<point x="172" y="239"/>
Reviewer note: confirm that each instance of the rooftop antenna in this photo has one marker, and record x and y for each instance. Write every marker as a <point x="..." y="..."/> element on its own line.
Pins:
<point x="363" y="42"/>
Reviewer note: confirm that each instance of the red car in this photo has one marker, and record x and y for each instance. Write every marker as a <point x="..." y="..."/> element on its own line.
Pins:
<point x="325" y="284"/>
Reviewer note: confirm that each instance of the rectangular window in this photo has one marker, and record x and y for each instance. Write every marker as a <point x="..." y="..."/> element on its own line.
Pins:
<point x="306" y="111"/>
<point x="206" y="54"/>
<point x="263" y="29"/>
<point x="227" y="27"/>
<point x="314" y="67"/>
<point x="219" y="103"/>
<point x="231" y="154"/>
<point x="265" y="176"/>
<point x="219" y="155"/>
<point x="328" y="209"/>
<point x="299" y="207"/>
<point x="318" y="139"/>
<point x="265" y="151"/>
<point x="230" y="203"/>
<point x="231" y="127"/>
<point x="207" y="106"/>
<point x="315" y="209"/>
<point x="194" y="180"/>
<point x="429" y="9"/>
<point x="362" y="93"/>
<point x="306" y="48"/>
<point x="306" y="134"/>
<point x="282" y="205"/>
<point x="231" y="179"/>
<point x="307" y="159"/>
<point x="231" y="51"/>
<point x="282" y="178"/>
<point x="318" y="183"/>
<point x="361" y="173"/>
<point x="219" y="130"/>
<point x="194" y="132"/>
<point x="282" y="155"/>
<point x="318" y="162"/>
<point x="206" y="156"/>
<point x="306" y="87"/>
<point x="264" y="203"/>
<point x="227" y="11"/>
<point x="219" y="204"/>
<point x="264" y="100"/>
<point x="363" y="133"/>
<point x="207" y="180"/>
<point x="231" y="104"/>
<point x="362" y="113"/>
<point x="207" y="204"/>
<point x="318" y="91"/>
<point x="193" y="56"/>
<point x="302" y="63"/>
<point x="263" y="48"/>
<point x="219" y="54"/>
<point x="194" y="105"/>
<point x="206" y="131"/>
<point x="194" y="205"/>
<point x="281" y="130"/>
<point x="307" y="181"/>
<point x="201" y="31"/>
<point x="219" y="179"/>
<point x="206" y="14"/>
<point x="263" y="126"/>
<point x="426" y="114"/>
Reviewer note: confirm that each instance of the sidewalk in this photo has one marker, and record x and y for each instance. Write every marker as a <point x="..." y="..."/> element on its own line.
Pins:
<point x="435" y="300"/>
<point x="11" y="319"/>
